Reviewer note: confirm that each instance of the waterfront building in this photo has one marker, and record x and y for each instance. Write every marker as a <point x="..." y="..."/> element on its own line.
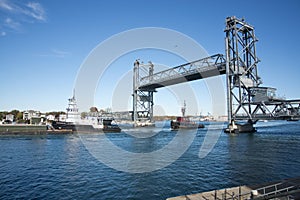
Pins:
<point x="28" y="114"/>
<point x="34" y="117"/>
<point x="9" y="118"/>
<point x="50" y="117"/>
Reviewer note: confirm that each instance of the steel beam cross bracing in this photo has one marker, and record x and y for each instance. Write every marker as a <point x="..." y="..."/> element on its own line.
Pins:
<point x="142" y="99"/>
<point x="241" y="67"/>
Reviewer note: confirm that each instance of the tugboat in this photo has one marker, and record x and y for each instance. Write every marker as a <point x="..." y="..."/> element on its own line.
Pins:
<point x="184" y="122"/>
<point x="72" y="118"/>
<point x="73" y="121"/>
<point x="108" y="127"/>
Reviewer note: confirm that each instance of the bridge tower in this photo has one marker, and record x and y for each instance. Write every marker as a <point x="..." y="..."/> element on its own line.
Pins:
<point x="241" y="71"/>
<point x="142" y="98"/>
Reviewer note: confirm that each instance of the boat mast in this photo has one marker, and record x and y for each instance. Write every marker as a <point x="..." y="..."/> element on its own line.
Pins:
<point x="183" y="109"/>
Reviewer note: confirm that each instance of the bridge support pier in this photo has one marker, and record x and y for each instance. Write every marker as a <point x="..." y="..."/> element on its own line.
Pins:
<point x="234" y="127"/>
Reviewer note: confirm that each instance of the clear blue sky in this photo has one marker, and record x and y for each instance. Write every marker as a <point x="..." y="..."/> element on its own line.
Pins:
<point x="43" y="43"/>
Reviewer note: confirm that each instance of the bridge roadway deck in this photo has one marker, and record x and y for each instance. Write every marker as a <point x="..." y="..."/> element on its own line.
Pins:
<point x="207" y="67"/>
<point x="291" y="114"/>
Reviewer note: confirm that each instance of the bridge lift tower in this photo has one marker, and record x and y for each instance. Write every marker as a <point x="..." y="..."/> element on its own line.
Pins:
<point x="142" y="99"/>
<point x="246" y="99"/>
<point x="241" y="70"/>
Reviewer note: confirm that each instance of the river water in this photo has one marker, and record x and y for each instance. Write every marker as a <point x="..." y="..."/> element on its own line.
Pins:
<point x="62" y="167"/>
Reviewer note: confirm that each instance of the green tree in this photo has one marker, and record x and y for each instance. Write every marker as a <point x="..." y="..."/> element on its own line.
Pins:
<point x="14" y="112"/>
<point x="19" y="116"/>
<point x="83" y="115"/>
<point x="3" y="114"/>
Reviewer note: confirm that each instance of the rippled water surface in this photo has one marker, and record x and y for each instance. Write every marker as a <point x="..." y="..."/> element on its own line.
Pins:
<point x="61" y="167"/>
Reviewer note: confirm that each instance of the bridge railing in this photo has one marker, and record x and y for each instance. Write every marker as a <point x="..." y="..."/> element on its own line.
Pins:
<point x="196" y="67"/>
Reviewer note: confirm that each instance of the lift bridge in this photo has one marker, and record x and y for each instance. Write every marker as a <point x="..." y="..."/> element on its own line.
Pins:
<point x="247" y="100"/>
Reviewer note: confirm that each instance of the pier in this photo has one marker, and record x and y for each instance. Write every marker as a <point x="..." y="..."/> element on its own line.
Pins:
<point x="285" y="189"/>
<point x="247" y="99"/>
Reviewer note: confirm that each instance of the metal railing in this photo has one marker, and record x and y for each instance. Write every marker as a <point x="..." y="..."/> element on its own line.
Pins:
<point x="277" y="190"/>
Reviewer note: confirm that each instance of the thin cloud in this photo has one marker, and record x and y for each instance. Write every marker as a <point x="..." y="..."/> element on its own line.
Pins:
<point x="12" y="24"/>
<point x="18" y="13"/>
<point x="5" y="5"/>
<point x="56" y="53"/>
<point x="60" y="53"/>
<point x="36" y="11"/>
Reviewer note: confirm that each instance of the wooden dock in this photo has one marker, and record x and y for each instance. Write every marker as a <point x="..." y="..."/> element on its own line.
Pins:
<point x="243" y="192"/>
<point x="285" y="189"/>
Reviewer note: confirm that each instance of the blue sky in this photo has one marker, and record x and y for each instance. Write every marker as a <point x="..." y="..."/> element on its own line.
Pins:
<point x="44" y="43"/>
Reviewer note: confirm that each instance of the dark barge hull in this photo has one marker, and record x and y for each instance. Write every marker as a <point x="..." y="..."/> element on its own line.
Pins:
<point x="84" y="127"/>
<point x="175" y="125"/>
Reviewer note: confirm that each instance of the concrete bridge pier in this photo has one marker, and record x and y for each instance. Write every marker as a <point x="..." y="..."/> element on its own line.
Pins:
<point x="246" y="127"/>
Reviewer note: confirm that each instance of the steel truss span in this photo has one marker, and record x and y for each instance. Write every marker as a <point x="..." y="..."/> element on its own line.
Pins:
<point x="199" y="69"/>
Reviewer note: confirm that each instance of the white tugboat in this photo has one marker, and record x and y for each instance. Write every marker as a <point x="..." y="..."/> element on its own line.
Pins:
<point x="73" y="116"/>
<point x="74" y="122"/>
